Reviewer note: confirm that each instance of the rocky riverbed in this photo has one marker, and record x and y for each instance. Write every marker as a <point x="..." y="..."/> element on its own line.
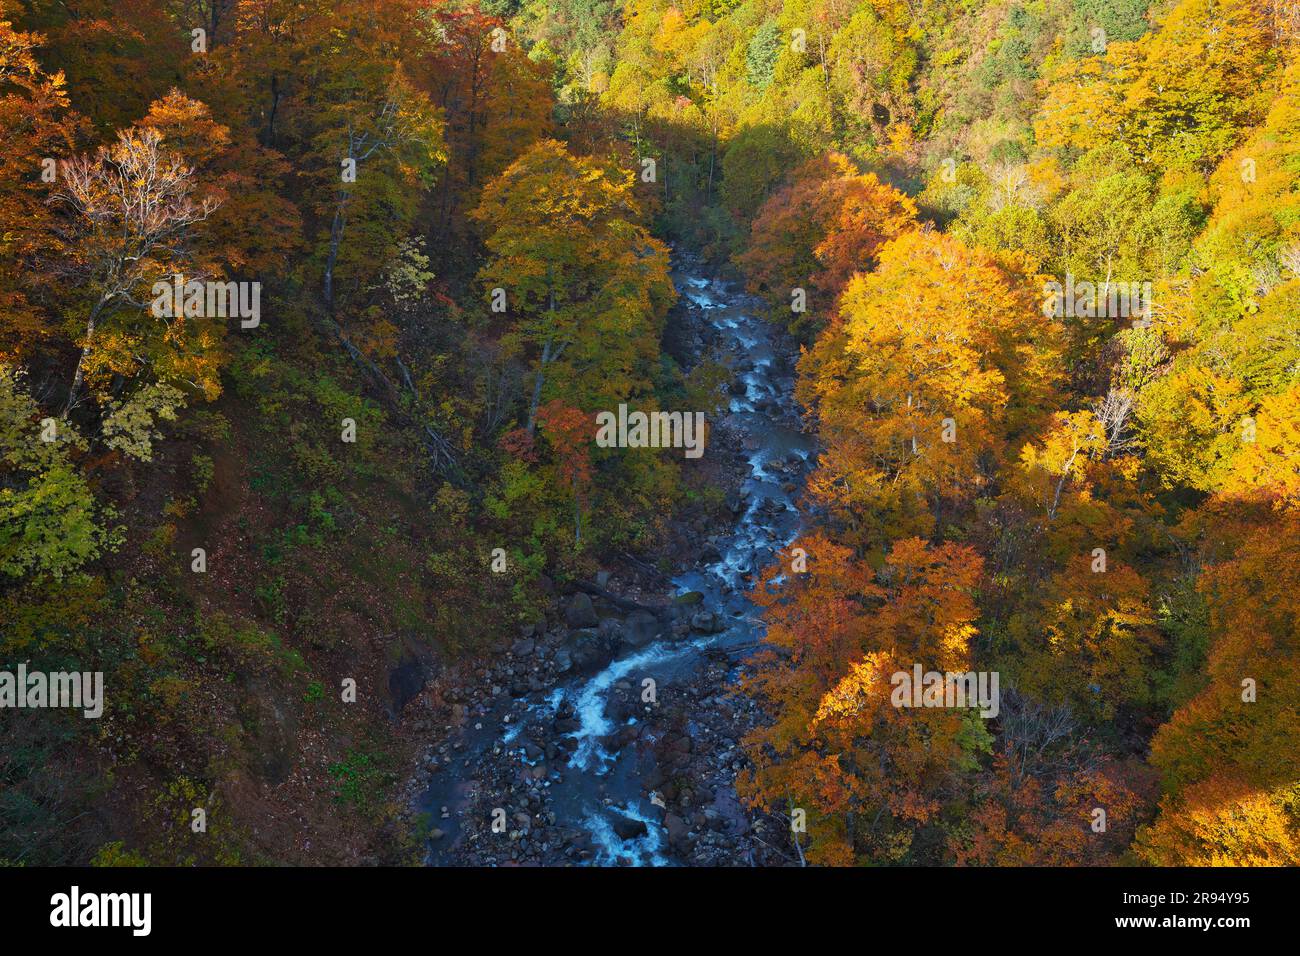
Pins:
<point x="610" y="734"/>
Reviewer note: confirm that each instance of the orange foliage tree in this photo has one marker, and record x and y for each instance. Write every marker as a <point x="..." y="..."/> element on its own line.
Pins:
<point x="569" y="432"/>
<point x="814" y="233"/>
<point x="868" y="775"/>
<point x="936" y="361"/>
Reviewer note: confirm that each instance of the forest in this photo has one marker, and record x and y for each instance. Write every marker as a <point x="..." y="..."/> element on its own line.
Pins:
<point x="309" y="310"/>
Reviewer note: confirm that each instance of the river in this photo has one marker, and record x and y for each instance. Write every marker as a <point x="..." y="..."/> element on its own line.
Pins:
<point x="587" y="792"/>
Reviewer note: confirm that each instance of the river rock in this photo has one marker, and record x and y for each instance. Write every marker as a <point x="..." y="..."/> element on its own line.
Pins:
<point x="708" y="622"/>
<point x="621" y="738"/>
<point x="641" y="628"/>
<point x="586" y="652"/>
<point x="589" y="652"/>
<point x="619" y="707"/>
<point x="579" y="612"/>
<point x="627" y="828"/>
<point x="675" y="827"/>
<point x="610" y="631"/>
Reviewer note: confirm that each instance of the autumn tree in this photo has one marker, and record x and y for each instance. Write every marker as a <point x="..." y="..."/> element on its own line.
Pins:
<point x="117" y="56"/>
<point x="868" y="773"/>
<point x="39" y="132"/>
<point x="569" y="433"/>
<point x="1177" y="97"/>
<point x="1038" y="803"/>
<point x="130" y="218"/>
<point x="1230" y="756"/>
<point x="585" y="286"/>
<point x="50" y="523"/>
<point x="495" y="102"/>
<point x="1092" y="639"/>
<point x="1223" y="821"/>
<point x="937" y="358"/>
<point x="872" y="65"/>
<point x="813" y="234"/>
<point x="253" y="229"/>
<point x="378" y="143"/>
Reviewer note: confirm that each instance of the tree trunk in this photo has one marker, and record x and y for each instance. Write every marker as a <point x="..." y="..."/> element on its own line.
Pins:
<point x="81" y="359"/>
<point x="1060" y="485"/>
<point x="537" y="388"/>
<point x="336" y="237"/>
<point x="713" y="156"/>
<point x="547" y="357"/>
<point x="577" y="515"/>
<point x="275" y="107"/>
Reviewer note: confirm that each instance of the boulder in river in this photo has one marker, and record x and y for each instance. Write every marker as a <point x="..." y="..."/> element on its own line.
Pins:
<point x="619" y="707"/>
<point x="708" y="622"/>
<point x="610" y="630"/>
<point x="627" y="828"/>
<point x="589" y="651"/>
<point x="579" y="612"/>
<point x="641" y="628"/>
<point x="566" y="725"/>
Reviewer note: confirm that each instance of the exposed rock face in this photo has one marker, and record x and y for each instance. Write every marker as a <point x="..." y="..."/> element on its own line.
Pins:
<point x="416" y="666"/>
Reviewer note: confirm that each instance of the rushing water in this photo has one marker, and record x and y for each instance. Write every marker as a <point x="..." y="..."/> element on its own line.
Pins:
<point x="598" y="785"/>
